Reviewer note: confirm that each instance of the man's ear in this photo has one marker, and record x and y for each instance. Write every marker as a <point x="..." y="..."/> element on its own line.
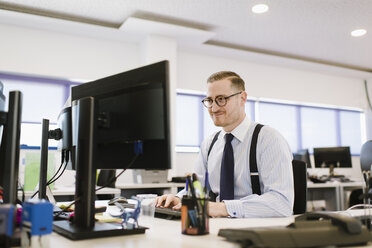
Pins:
<point x="243" y="96"/>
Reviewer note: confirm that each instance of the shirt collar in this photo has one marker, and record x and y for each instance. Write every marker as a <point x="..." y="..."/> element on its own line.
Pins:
<point x="241" y="130"/>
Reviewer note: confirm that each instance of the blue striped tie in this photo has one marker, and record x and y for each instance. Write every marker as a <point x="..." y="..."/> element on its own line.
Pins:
<point x="227" y="170"/>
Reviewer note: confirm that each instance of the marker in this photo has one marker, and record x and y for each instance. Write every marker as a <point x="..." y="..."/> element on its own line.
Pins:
<point x="187" y="186"/>
<point x="197" y="185"/>
<point x="192" y="189"/>
<point x="206" y="184"/>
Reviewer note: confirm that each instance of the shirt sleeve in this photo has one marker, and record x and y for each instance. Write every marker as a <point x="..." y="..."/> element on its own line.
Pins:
<point x="276" y="179"/>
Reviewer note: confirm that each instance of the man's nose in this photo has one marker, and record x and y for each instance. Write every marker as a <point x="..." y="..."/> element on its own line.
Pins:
<point x="214" y="107"/>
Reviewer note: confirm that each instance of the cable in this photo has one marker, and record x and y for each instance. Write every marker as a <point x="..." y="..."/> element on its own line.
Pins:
<point x="67" y="207"/>
<point x="113" y="179"/>
<point x="367" y="95"/>
<point x="359" y="206"/>
<point x="48" y="183"/>
<point x="108" y="183"/>
<point x="60" y="167"/>
<point x="52" y="181"/>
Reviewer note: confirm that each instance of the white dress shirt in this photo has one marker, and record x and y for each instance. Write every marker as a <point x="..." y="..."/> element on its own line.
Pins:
<point x="274" y="165"/>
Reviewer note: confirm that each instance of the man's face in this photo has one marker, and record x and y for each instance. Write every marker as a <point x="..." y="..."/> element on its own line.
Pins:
<point x="230" y="115"/>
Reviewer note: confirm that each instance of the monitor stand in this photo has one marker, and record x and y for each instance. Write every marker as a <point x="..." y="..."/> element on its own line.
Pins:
<point x="331" y="170"/>
<point x="99" y="230"/>
<point x="12" y="241"/>
<point x="84" y="225"/>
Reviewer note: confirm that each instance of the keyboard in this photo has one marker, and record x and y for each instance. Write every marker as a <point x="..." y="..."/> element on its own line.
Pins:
<point x="167" y="213"/>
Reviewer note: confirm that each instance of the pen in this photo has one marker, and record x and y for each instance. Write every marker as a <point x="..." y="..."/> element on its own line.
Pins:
<point x="193" y="196"/>
<point x="197" y="185"/>
<point x="206" y="184"/>
<point x="187" y="186"/>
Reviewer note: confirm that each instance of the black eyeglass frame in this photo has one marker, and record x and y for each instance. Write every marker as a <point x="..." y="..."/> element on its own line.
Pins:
<point x="215" y="100"/>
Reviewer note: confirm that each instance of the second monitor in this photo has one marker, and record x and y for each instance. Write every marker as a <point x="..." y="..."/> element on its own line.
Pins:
<point x="326" y="157"/>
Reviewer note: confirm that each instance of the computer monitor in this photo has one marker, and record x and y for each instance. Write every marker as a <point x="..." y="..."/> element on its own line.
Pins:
<point x="9" y="147"/>
<point x="132" y="106"/>
<point x="303" y="155"/>
<point x="326" y="157"/>
<point x="115" y="121"/>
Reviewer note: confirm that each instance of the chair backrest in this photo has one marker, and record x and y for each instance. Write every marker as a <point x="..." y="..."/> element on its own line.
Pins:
<point x="105" y="176"/>
<point x="300" y="186"/>
<point x="366" y="156"/>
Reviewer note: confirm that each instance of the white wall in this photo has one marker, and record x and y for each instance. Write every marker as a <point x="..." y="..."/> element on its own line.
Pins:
<point x="52" y="54"/>
<point x="273" y="82"/>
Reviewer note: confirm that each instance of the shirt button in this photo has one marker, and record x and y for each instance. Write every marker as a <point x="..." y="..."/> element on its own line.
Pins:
<point x="234" y="213"/>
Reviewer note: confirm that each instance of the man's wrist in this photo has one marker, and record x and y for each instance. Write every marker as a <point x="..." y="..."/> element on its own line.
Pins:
<point x="217" y="209"/>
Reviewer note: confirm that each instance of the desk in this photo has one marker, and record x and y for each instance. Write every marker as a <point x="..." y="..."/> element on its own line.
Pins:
<point x="344" y="187"/>
<point x="329" y="191"/>
<point x="70" y="191"/>
<point x="172" y="187"/>
<point x="332" y="192"/>
<point x="168" y="234"/>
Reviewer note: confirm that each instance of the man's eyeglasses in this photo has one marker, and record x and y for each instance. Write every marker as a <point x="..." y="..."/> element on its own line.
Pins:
<point x="220" y="100"/>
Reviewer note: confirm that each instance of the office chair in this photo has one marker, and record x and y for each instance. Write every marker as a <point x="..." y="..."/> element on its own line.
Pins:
<point x="366" y="156"/>
<point x="300" y="186"/>
<point x="365" y="164"/>
<point x="104" y="177"/>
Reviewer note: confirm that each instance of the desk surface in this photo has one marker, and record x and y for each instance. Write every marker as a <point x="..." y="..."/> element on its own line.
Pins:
<point x="58" y="191"/>
<point x="335" y="184"/>
<point x="148" y="185"/>
<point x="167" y="233"/>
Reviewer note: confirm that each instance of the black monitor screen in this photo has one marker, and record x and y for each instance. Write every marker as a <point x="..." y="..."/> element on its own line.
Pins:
<point x="325" y="157"/>
<point x="2" y="109"/>
<point x="303" y="155"/>
<point x="132" y="106"/>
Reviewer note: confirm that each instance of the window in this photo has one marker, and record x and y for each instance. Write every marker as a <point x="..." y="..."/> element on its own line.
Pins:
<point x="42" y="98"/>
<point x="350" y="128"/>
<point x="319" y="127"/>
<point x="188" y="120"/>
<point x="283" y="118"/>
<point x="303" y="126"/>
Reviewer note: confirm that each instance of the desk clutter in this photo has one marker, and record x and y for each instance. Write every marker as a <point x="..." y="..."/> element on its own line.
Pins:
<point x="29" y="226"/>
<point x="194" y="210"/>
<point x="329" y="178"/>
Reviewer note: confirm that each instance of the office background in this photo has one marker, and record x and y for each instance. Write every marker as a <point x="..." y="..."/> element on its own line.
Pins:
<point x="61" y="50"/>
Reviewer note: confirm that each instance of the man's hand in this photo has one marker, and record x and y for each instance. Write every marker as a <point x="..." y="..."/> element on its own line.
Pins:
<point x="217" y="209"/>
<point x="168" y="201"/>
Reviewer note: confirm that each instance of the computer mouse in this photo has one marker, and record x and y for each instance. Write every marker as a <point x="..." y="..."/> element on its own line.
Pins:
<point x="119" y="199"/>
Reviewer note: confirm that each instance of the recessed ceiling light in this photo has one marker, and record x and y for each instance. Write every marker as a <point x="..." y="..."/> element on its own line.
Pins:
<point x="260" y="8"/>
<point x="358" y="32"/>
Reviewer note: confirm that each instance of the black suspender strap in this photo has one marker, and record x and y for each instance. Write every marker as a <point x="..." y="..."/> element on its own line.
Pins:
<point x="212" y="195"/>
<point x="213" y="141"/>
<point x="253" y="161"/>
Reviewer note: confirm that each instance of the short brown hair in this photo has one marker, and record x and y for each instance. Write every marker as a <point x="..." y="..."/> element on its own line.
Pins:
<point x="236" y="81"/>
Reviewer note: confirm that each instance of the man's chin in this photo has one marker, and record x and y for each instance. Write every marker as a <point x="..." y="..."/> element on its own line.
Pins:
<point x="217" y="123"/>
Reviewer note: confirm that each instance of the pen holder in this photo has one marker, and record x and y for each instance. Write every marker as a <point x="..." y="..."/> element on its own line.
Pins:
<point x="194" y="216"/>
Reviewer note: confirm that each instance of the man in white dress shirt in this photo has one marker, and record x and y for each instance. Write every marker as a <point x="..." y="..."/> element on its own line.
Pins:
<point x="226" y="98"/>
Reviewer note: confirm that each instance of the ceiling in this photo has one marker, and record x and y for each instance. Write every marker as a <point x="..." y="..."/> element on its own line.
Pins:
<point x="312" y="31"/>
